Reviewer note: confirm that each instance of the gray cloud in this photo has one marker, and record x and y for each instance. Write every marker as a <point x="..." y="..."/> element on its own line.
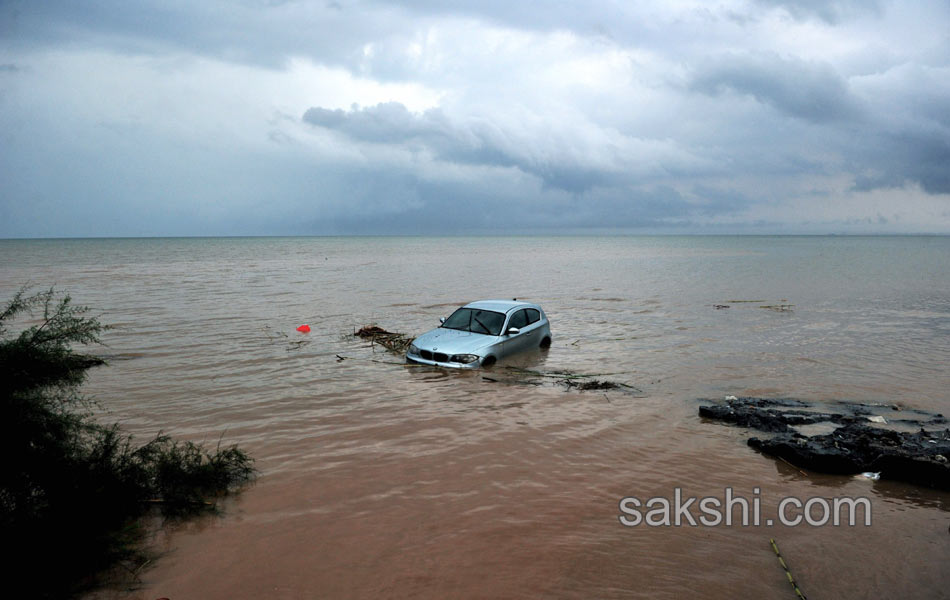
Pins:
<point x="258" y="33"/>
<point x="389" y="122"/>
<point x="899" y="157"/>
<point x="810" y="91"/>
<point x="164" y="118"/>
<point x="442" y="207"/>
<point x="476" y="143"/>
<point x="830" y="11"/>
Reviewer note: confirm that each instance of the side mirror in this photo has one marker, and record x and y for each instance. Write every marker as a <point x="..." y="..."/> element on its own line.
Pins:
<point x="441" y="319"/>
<point x="513" y="331"/>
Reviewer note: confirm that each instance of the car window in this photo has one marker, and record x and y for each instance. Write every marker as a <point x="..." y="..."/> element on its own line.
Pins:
<point x="519" y="320"/>
<point x="534" y="315"/>
<point x="476" y="321"/>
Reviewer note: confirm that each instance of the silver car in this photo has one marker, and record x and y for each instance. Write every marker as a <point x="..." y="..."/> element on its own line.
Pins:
<point x="480" y="333"/>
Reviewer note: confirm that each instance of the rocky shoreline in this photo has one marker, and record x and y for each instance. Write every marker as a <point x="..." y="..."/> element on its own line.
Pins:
<point x="886" y="441"/>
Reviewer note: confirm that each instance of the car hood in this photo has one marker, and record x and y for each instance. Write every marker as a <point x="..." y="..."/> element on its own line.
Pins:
<point x="453" y="341"/>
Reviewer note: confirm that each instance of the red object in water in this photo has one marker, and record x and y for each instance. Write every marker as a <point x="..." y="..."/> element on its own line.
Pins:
<point x="304" y="329"/>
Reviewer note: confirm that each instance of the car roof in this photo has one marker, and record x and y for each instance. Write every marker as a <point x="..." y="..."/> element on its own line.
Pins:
<point x="502" y="306"/>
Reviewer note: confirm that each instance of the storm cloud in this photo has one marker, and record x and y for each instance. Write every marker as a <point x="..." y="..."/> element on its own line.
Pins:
<point x="810" y="91"/>
<point x="556" y="158"/>
<point x="260" y="118"/>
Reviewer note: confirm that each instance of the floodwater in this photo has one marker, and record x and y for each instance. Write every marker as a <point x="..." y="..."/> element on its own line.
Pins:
<point x="381" y="480"/>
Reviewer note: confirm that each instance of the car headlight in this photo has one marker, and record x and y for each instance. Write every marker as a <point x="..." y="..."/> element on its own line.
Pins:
<point x="464" y="358"/>
<point x="413" y="349"/>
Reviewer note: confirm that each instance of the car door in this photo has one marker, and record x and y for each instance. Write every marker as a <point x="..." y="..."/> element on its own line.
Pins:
<point x="521" y="340"/>
<point x="533" y="330"/>
<point x="536" y="325"/>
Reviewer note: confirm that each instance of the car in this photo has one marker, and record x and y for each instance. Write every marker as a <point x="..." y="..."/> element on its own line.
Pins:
<point x="481" y="333"/>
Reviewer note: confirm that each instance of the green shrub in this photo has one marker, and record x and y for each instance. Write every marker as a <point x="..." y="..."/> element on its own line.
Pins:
<point x="72" y="490"/>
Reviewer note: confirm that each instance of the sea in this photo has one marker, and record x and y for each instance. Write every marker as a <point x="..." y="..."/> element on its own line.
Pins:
<point x="379" y="479"/>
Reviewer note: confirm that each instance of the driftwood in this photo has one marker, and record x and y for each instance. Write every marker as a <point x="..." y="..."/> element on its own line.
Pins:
<point x="593" y="385"/>
<point x="781" y="306"/>
<point x="394" y="342"/>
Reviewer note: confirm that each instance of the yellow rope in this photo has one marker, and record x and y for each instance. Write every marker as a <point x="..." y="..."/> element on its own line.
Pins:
<point x="788" y="573"/>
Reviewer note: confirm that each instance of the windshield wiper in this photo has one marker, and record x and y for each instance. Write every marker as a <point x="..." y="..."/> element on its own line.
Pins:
<point x="487" y="330"/>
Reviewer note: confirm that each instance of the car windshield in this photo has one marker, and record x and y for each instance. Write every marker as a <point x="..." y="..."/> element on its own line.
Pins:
<point x="477" y="321"/>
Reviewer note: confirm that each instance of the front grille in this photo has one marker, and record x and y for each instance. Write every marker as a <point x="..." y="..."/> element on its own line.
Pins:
<point x="425" y="354"/>
<point x="439" y="357"/>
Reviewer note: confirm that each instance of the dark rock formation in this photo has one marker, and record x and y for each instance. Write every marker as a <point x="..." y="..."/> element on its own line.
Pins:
<point x="774" y="416"/>
<point x="919" y="458"/>
<point x="858" y="445"/>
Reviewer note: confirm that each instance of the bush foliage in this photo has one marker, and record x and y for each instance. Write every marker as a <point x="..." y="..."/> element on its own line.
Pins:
<point x="72" y="489"/>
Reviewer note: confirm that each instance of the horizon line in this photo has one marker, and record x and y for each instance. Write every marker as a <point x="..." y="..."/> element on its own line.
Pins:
<point x="461" y="235"/>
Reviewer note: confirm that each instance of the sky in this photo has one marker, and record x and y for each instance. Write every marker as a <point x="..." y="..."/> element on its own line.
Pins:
<point x="425" y="117"/>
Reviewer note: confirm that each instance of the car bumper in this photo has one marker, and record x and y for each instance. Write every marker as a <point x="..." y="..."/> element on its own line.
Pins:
<point x="416" y="359"/>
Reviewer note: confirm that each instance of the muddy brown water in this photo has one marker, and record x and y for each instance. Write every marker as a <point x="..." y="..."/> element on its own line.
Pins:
<point x="387" y="481"/>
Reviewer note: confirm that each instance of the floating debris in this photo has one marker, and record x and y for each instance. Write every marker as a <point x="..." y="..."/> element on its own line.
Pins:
<point x="590" y="385"/>
<point x="788" y="572"/>
<point x="781" y="305"/>
<point x="280" y="337"/>
<point x="578" y="381"/>
<point x="778" y="307"/>
<point x="394" y="342"/>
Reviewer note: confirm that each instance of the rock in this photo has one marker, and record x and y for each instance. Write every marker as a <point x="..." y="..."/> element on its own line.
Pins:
<point x="774" y="416"/>
<point x="856" y="446"/>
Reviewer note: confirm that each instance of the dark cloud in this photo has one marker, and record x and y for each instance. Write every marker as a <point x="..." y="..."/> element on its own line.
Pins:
<point x="258" y="33"/>
<point x="445" y="207"/>
<point x="158" y="117"/>
<point x="806" y="90"/>
<point x="388" y="122"/>
<point x="889" y="160"/>
<point x="475" y="143"/>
